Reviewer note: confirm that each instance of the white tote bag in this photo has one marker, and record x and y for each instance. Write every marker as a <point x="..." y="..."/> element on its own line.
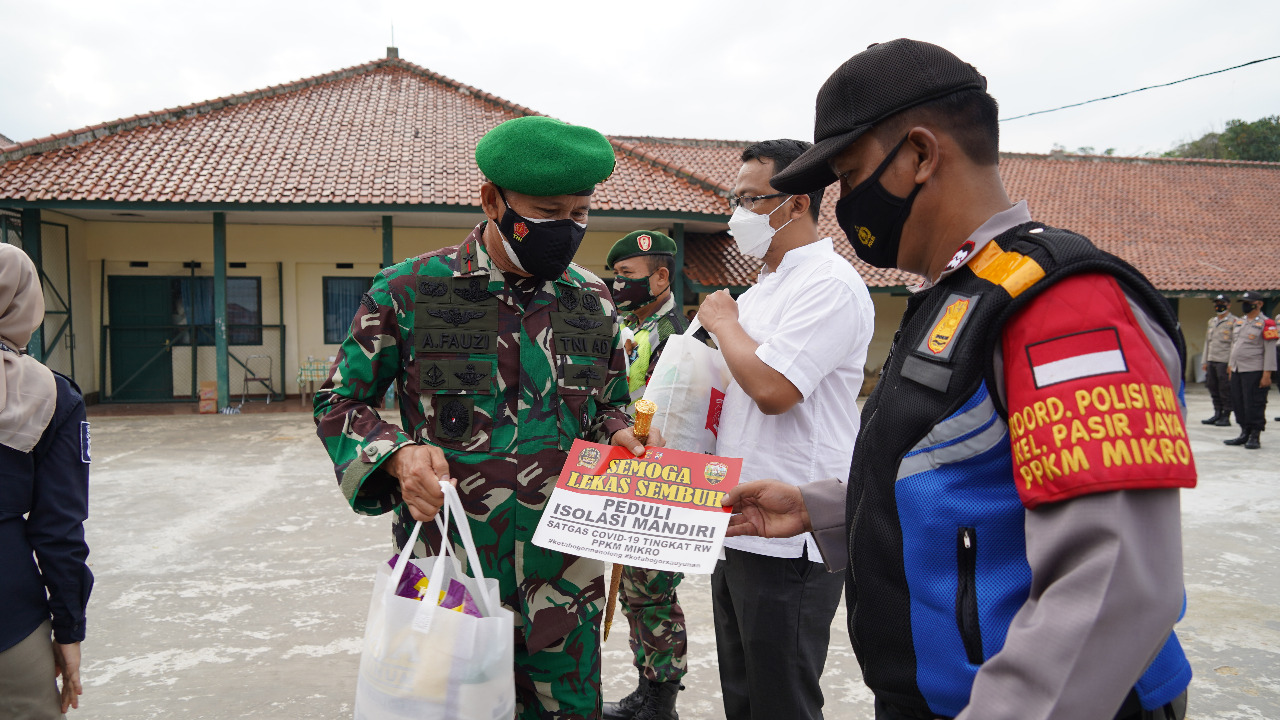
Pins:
<point x="421" y="662"/>
<point x="688" y="386"/>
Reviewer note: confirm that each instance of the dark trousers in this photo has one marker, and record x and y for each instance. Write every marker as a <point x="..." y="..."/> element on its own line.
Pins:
<point x="773" y="624"/>
<point x="1215" y="379"/>
<point x="1250" y="400"/>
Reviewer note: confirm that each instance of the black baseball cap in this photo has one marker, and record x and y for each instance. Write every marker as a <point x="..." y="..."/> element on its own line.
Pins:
<point x="1251" y="296"/>
<point x="878" y="82"/>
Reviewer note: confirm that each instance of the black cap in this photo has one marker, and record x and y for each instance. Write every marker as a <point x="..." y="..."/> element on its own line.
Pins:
<point x="881" y="81"/>
<point x="1220" y="298"/>
<point x="1251" y="296"/>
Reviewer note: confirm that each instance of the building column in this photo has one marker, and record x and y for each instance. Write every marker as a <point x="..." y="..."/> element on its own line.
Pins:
<point x="388" y="252"/>
<point x="34" y="248"/>
<point x="677" y="278"/>
<point x="220" y="307"/>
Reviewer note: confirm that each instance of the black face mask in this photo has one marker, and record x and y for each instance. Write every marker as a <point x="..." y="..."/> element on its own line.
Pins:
<point x="1220" y="308"/>
<point x="632" y="293"/>
<point x="1248" y="307"/>
<point x="544" y="248"/>
<point x="872" y="217"/>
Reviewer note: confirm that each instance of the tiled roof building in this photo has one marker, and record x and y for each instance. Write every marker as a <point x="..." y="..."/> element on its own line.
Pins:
<point x="293" y="183"/>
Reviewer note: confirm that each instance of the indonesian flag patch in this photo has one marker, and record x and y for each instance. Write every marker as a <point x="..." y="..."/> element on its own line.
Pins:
<point x="1080" y="355"/>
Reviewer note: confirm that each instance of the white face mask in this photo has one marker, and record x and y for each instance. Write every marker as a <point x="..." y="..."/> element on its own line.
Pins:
<point x="751" y="232"/>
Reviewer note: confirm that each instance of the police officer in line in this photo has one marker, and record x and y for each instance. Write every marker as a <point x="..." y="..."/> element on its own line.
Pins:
<point x="644" y="261"/>
<point x="502" y="353"/>
<point x="1217" y="351"/>
<point x="1253" y="359"/>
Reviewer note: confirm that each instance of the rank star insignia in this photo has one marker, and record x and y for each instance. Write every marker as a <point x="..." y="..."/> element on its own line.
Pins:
<point x="475" y="291"/>
<point x="434" y="378"/>
<point x="644" y="242"/>
<point x="471" y="377"/>
<point x="456" y="317"/>
<point x="582" y="322"/>
<point x="520" y="230"/>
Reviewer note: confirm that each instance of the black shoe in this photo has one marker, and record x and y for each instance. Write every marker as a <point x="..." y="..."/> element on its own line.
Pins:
<point x="1244" y="438"/>
<point x="1224" y="421"/>
<point x="626" y="708"/>
<point x="1213" y="420"/>
<point x="1254" y="442"/>
<point x="661" y="702"/>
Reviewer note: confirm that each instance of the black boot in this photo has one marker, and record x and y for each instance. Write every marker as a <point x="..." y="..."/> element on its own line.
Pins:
<point x="661" y="702"/>
<point x="1217" y="415"/>
<point x="626" y="708"/>
<point x="1244" y="438"/>
<point x="1254" y="441"/>
<point x="1224" y="420"/>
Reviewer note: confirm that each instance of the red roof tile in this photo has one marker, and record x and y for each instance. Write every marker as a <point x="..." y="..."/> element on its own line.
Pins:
<point x="1189" y="225"/>
<point x="387" y="132"/>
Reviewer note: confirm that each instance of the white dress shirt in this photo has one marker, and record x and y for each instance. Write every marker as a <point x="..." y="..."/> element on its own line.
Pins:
<point x="813" y="319"/>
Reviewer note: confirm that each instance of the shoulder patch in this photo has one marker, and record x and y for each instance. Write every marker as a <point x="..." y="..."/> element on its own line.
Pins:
<point x="1270" y="331"/>
<point x="1091" y="408"/>
<point x="85" y="442"/>
<point x="1012" y="271"/>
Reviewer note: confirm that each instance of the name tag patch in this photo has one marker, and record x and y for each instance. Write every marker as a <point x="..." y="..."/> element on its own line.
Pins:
<point x="85" y="442"/>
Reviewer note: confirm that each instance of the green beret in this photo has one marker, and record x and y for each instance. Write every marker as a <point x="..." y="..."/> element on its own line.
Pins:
<point x="640" y="242"/>
<point x="544" y="157"/>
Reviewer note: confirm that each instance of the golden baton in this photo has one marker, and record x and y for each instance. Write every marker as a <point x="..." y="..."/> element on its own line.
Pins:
<point x="644" y="416"/>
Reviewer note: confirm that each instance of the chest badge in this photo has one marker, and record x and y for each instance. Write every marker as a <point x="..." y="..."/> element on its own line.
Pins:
<point x="582" y="322"/>
<point x="434" y="378"/>
<point x="942" y="333"/>
<point x="476" y="291"/>
<point x="455" y="316"/>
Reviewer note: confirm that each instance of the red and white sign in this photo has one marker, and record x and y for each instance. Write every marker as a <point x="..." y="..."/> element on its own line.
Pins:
<point x="1070" y="357"/>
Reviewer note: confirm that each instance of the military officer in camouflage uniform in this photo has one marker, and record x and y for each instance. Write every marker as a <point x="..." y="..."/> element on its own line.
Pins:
<point x="1253" y="359"/>
<point x="645" y="265"/>
<point x="1217" y="351"/>
<point x="502" y="353"/>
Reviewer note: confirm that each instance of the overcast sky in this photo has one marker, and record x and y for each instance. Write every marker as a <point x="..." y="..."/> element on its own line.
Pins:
<point x="743" y="70"/>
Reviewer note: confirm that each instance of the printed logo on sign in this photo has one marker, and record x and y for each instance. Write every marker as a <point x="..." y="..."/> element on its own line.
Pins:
<point x="588" y="458"/>
<point x="645" y="242"/>
<point x="715" y="472"/>
<point x="713" y="411"/>
<point x="942" y="333"/>
<point x="1075" y="356"/>
<point x="84" y="442"/>
<point x="865" y="237"/>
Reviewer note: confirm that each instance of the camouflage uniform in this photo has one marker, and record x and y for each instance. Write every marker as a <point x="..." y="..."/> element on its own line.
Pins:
<point x="658" y="637"/>
<point x="502" y="374"/>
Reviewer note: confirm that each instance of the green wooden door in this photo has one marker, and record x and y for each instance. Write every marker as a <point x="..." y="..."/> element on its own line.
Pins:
<point x="140" y="338"/>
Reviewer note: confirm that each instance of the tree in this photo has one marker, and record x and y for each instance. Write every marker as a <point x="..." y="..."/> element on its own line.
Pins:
<point x="1240" y="140"/>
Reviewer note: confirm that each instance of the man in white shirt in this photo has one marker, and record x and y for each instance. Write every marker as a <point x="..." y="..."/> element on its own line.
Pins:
<point x="796" y="344"/>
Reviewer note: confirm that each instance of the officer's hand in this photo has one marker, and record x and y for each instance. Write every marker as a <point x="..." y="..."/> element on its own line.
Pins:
<point x="766" y="508"/>
<point x="420" y="469"/>
<point x="67" y="664"/>
<point x="1265" y="382"/>
<point x="1204" y="366"/>
<point x="627" y="438"/>
<point x="718" y="309"/>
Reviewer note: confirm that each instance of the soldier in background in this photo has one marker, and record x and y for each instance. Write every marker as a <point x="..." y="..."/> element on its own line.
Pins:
<point x="645" y="265"/>
<point x="502" y="353"/>
<point x="1253" y="359"/>
<point x="1217" y="351"/>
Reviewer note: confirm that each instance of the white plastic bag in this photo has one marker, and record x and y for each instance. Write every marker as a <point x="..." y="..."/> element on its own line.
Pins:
<point x="421" y="662"/>
<point x="688" y="386"/>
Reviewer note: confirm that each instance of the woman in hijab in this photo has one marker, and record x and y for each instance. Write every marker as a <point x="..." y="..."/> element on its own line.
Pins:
<point x="44" y="500"/>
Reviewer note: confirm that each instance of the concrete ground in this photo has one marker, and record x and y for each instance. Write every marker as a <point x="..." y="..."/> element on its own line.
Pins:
<point x="233" y="581"/>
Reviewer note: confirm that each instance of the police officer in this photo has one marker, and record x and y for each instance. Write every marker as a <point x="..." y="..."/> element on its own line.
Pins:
<point x="502" y="353"/>
<point x="1253" y="359"/>
<point x="995" y="542"/>
<point x="644" y="261"/>
<point x="1217" y="351"/>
